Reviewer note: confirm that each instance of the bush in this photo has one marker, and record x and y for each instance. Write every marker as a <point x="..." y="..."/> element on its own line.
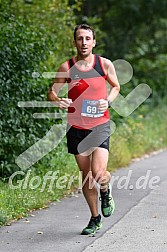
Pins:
<point x="137" y="135"/>
<point x="21" y="51"/>
<point x="34" y="37"/>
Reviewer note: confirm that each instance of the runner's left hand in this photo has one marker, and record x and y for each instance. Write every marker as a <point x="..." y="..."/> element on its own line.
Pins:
<point x="102" y="105"/>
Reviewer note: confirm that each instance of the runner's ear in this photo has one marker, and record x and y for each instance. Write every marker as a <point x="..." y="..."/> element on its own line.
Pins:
<point x="94" y="43"/>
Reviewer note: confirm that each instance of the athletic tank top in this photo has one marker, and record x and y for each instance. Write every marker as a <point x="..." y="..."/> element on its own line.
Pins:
<point x="86" y="88"/>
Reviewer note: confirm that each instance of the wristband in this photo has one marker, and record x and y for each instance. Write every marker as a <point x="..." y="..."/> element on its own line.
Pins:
<point x="109" y="103"/>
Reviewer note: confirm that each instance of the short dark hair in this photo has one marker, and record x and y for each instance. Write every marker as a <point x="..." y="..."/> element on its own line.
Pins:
<point x="86" y="27"/>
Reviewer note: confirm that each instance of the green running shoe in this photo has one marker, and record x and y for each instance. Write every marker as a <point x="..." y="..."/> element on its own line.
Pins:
<point x="107" y="202"/>
<point x="94" y="225"/>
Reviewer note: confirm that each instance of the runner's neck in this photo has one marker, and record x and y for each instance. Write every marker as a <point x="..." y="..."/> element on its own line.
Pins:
<point x="84" y="63"/>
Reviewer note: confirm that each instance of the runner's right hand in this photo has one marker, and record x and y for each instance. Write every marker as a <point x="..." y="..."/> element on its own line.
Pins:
<point x="64" y="103"/>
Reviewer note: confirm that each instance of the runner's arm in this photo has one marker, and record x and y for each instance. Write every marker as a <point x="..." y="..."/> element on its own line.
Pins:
<point x="58" y="83"/>
<point x="112" y="80"/>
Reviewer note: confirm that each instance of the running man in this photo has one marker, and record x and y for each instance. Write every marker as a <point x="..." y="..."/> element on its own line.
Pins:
<point x="88" y="128"/>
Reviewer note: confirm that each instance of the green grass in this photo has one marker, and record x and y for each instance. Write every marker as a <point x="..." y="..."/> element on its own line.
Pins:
<point x="138" y="135"/>
<point x="18" y="202"/>
<point x="135" y="136"/>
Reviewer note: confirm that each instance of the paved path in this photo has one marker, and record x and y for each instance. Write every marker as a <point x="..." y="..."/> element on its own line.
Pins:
<point x="138" y="224"/>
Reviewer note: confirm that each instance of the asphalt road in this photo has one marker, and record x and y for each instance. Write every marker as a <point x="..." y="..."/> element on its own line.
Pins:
<point x="138" y="224"/>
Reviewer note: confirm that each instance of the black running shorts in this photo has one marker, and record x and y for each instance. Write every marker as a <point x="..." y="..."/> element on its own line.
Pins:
<point x="81" y="140"/>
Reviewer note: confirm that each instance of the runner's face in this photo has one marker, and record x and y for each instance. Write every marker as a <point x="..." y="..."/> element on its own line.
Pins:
<point x="84" y="42"/>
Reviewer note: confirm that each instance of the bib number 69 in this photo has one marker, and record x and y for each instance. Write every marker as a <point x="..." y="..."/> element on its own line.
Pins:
<point x="91" y="109"/>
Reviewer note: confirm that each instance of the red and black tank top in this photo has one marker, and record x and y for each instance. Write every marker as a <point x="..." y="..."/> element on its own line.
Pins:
<point x="86" y="88"/>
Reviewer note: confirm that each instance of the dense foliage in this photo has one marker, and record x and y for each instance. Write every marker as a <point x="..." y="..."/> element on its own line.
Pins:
<point x="135" y="31"/>
<point x="37" y="36"/>
<point x="29" y="43"/>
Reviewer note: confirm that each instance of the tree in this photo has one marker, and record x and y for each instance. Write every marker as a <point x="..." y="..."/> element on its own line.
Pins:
<point x="135" y="31"/>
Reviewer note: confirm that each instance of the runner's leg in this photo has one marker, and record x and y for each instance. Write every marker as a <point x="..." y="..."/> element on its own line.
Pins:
<point x="89" y="191"/>
<point x="99" y="167"/>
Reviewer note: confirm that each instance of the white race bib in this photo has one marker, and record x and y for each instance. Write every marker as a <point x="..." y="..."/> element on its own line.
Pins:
<point x="90" y="108"/>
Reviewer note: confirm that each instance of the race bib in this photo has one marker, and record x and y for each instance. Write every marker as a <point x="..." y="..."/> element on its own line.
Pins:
<point x="90" y="108"/>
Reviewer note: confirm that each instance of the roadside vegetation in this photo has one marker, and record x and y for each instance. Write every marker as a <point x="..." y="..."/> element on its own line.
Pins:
<point x="35" y="38"/>
<point x="132" y="139"/>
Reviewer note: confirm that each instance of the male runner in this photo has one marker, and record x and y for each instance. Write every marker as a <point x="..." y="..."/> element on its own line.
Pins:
<point x="88" y="129"/>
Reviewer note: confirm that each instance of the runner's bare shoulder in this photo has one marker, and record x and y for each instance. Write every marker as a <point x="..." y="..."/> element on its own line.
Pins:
<point x="64" y="67"/>
<point x="106" y="64"/>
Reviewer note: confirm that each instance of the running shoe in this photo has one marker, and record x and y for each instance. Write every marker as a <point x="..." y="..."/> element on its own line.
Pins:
<point x="107" y="202"/>
<point x="94" y="225"/>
